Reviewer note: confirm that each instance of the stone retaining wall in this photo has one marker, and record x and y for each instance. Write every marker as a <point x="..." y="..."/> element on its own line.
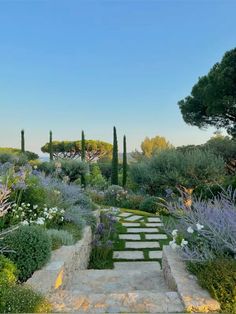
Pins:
<point x="194" y="298"/>
<point x="63" y="263"/>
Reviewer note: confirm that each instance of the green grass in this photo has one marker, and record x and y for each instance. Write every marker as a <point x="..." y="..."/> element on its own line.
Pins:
<point x="119" y="245"/>
<point x="137" y="212"/>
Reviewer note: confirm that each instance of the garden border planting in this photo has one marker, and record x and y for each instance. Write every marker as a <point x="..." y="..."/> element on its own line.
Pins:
<point x="194" y="298"/>
<point x="63" y="263"/>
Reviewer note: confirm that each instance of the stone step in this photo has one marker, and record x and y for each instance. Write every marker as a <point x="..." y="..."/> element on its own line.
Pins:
<point x="114" y="281"/>
<point x="134" y="218"/>
<point x="154" y="219"/>
<point x="131" y="224"/>
<point x="128" y="255"/>
<point x="142" y="245"/>
<point x="141" y="266"/>
<point x="142" y="230"/>
<point x="125" y="302"/>
<point x="154" y="224"/>
<point x="126" y="236"/>
<point x="124" y="215"/>
<point x="156" y="236"/>
<point x="155" y="254"/>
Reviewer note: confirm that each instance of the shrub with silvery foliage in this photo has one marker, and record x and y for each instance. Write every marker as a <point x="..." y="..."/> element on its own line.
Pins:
<point x="217" y="218"/>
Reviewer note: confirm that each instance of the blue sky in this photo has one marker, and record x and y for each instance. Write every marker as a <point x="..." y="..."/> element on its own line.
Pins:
<point x="72" y="65"/>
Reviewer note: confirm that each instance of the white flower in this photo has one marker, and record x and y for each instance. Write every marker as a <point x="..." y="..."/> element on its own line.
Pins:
<point x="199" y="227"/>
<point x="35" y="167"/>
<point x="28" y="204"/>
<point x="183" y="243"/>
<point x="190" y="230"/>
<point x="25" y="223"/>
<point x="40" y="221"/>
<point x="35" y="206"/>
<point x="173" y="244"/>
<point x="174" y="233"/>
<point x="17" y="216"/>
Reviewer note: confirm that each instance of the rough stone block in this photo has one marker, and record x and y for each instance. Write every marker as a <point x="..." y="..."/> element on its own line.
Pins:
<point x="194" y="298"/>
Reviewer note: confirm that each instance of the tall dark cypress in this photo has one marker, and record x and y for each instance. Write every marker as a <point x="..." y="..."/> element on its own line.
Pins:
<point x="50" y="146"/>
<point x="114" y="170"/>
<point x="83" y="155"/>
<point x="23" y="141"/>
<point x="124" y="179"/>
<point x="83" y="147"/>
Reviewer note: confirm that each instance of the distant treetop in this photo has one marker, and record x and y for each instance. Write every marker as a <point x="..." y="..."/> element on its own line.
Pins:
<point x="94" y="150"/>
<point x="16" y="151"/>
<point x="150" y="145"/>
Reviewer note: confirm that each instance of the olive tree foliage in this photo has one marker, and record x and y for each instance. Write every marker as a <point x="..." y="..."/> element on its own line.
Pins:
<point x="174" y="169"/>
<point x="213" y="98"/>
<point x="220" y="145"/>
<point x="94" y="150"/>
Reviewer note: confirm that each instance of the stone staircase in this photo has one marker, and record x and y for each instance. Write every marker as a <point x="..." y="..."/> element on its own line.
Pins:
<point x="135" y="285"/>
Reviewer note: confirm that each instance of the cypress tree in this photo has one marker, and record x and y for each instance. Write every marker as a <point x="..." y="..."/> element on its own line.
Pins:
<point x="83" y="178"/>
<point x="124" y="179"/>
<point x="114" y="170"/>
<point x="83" y="147"/>
<point x="50" y="146"/>
<point x="23" y="141"/>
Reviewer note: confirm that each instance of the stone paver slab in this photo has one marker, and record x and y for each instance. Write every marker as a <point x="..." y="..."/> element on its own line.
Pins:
<point x="129" y="255"/>
<point x="154" y="219"/>
<point x="134" y="218"/>
<point x="157" y="236"/>
<point x="155" y="254"/>
<point x="125" y="214"/>
<point x="142" y="245"/>
<point x="131" y="224"/>
<point x="129" y="236"/>
<point x="142" y="266"/>
<point x="140" y="230"/>
<point x="154" y="224"/>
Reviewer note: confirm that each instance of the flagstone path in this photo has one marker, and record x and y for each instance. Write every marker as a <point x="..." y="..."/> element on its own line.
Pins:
<point x="135" y="285"/>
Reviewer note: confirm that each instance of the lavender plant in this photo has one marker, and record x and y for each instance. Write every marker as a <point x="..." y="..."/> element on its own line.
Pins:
<point x="209" y="227"/>
<point x="103" y="241"/>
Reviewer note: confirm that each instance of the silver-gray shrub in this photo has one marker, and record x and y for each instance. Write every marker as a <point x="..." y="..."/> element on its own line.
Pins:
<point x="62" y="236"/>
<point x="218" y="216"/>
<point x="71" y="193"/>
<point x="80" y="216"/>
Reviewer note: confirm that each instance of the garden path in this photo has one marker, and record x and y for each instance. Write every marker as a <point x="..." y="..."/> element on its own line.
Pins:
<point x="135" y="285"/>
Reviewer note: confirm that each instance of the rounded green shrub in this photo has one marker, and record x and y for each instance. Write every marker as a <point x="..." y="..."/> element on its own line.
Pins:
<point x="22" y="299"/>
<point x="30" y="249"/>
<point x="149" y="204"/>
<point x="60" y="237"/>
<point x="8" y="271"/>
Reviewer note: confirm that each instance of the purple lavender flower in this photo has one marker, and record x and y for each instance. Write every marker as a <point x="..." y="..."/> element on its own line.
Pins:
<point x="100" y="228"/>
<point x="19" y="186"/>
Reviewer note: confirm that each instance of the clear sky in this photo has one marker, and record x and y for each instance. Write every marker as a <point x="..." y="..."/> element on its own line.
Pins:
<point x="71" y="65"/>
